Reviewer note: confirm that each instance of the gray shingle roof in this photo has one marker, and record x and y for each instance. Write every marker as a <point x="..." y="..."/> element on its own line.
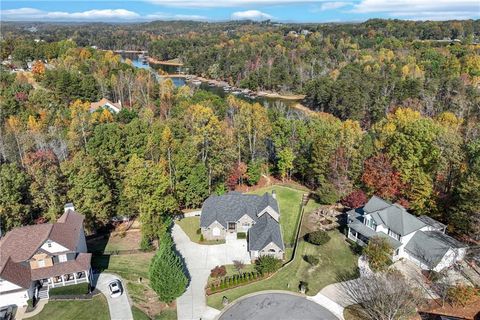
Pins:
<point x="263" y="232"/>
<point x="431" y="246"/>
<point x="394" y="216"/>
<point x="232" y="206"/>
<point x="432" y="222"/>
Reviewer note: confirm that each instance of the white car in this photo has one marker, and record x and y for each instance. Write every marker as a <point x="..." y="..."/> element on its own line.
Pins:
<point x="115" y="288"/>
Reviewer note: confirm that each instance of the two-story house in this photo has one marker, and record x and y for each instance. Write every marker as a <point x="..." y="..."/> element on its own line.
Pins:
<point x="35" y="258"/>
<point x="224" y="216"/>
<point x="419" y="239"/>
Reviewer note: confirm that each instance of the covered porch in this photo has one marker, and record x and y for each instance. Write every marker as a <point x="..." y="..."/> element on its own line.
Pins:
<point x="67" y="279"/>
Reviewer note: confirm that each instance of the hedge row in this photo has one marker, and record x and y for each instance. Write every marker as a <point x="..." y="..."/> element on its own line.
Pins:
<point x="234" y="281"/>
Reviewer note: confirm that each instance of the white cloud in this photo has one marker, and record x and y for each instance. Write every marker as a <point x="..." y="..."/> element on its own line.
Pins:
<point x="332" y="5"/>
<point x="97" y="15"/>
<point x="227" y="3"/>
<point x="421" y="9"/>
<point x="250" y="15"/>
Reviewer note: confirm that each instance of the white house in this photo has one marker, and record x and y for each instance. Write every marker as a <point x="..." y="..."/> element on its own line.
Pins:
<point x="35" y="258"/>
<point x="104" y="103"/>
<point x="419" y="239"/>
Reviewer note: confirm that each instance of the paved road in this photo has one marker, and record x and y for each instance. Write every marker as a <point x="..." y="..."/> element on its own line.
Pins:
<point x="276" y="306"/>
<point x="120" y="308"/>
<point x="200" y="259"/>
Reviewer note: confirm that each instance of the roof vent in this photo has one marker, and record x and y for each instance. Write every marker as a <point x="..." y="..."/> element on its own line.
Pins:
<point x="68" y="207"/>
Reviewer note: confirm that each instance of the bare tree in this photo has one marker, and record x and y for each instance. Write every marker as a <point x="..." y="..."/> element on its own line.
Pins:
<point x="239" y="265"/>
<point x="383" y="296"/>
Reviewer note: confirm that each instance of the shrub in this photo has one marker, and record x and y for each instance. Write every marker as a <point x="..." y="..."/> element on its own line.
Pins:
<point x="267" y="264"/>
<point x="327" y="194"/>
<point x="239" y="265"/>
<point x="379" y="253"/>
<point x="199" y="231"/>
<point x="218" y="271"/>
<point x="311" y="259"/>
<point x="202" y="238"/>
<point x="317" y="237"/>
<point x="167" y="277"/>
<point x="145" y="244"/>
<point x="241" y="235"/>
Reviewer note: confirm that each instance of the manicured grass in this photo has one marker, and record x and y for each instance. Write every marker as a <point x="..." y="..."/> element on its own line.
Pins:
<point x="128" y="266"/>
<point x="289" y="201"/>
<point x="139" y="314"/>
<point x="97" y="309"/>
<point x="336" y="259"/>
<point x="76" y="289"/>
<point x="191" y="226"/>
<point x="232" y="271"/>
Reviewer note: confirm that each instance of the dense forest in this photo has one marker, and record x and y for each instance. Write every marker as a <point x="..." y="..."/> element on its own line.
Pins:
<point x="395" y="116"/>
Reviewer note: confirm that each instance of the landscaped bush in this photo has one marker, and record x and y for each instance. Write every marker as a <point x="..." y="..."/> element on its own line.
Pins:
<point x="310" y="258"/>
<point x="233" y="281"/>
<point x="267" y="264"/>
<point x="379" y="253"/>
<point x="218" y="271"/>
<point x="76" y="289"/>
<point x="241" y="235"/>
<point x="461" y="295"/>
<point x="317" y="237"/>
<point x="199" y="231"/>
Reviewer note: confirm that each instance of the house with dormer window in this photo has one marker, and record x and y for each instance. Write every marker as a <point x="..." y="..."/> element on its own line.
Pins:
<point x="223" y="217"/>
<point x="35" y="258"/>
<point x="419" y="239"/>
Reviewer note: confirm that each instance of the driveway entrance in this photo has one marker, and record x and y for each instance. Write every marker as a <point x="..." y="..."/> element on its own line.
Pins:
<point x="200" y="259"/>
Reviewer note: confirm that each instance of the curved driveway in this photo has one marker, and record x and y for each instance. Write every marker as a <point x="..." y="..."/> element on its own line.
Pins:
<point x="200" y="259"/>
<point x="276" y="306"/>
<point x="119" y="308"/>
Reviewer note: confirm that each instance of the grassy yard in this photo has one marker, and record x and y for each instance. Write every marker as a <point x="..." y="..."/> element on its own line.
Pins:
<point x="133" y="268"/>
<point x="81" y="288"/>
<point x="232" y="271"/>
<point x="336" y="258"/>
<point x="191" y="226"/>
<point x="97" y="308"/>
<point x="289" y="201"/>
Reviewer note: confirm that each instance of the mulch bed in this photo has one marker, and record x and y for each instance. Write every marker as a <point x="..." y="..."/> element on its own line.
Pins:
<point x="88" y="296"/>
<point x="471" y="311"/>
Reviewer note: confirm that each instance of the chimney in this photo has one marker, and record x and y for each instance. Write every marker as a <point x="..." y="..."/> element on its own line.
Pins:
<point x="274" y="195"/>
<point x="69" y="206"/>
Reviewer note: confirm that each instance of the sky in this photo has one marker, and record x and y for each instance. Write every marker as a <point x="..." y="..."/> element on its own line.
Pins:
<point x="223" y="10"/>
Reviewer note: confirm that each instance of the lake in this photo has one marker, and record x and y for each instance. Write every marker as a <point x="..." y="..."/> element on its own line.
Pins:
<point x="180" y="81"/>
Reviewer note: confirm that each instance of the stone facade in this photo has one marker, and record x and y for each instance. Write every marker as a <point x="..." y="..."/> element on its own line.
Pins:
<point x="214" y="232"/>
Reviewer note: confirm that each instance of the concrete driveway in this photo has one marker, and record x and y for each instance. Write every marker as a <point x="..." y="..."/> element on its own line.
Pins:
<point x="200" y="259"/>
<point x="276" y="306"/>
<point x="119" y="308"/>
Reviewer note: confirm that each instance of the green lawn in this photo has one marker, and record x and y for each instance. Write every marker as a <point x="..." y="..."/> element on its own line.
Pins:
<point x="289" y="201"/>
<point x="117" y="241"/>
<point x="128" y="266"/>
<point x="232" y="271"/>
<point x="139" y="314"/>
<point x="76" y="289"/>
<point x="336" y="259"/>
<point x="191" y="226"/>
<point x="97" y="309"/>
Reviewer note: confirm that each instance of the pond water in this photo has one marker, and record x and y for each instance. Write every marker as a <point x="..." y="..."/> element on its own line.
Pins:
<point x="180" y="81"/>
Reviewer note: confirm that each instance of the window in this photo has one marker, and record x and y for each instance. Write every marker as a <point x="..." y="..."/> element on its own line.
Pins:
<point x="397" y="252"/>
<point x="271" y="250"/>
<point x="41" y="263"/>
<point x="393" y="235"/>
<point x="216" y="232"/>
<point x="49" y="243"/>
<point x="62" y="258"/>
